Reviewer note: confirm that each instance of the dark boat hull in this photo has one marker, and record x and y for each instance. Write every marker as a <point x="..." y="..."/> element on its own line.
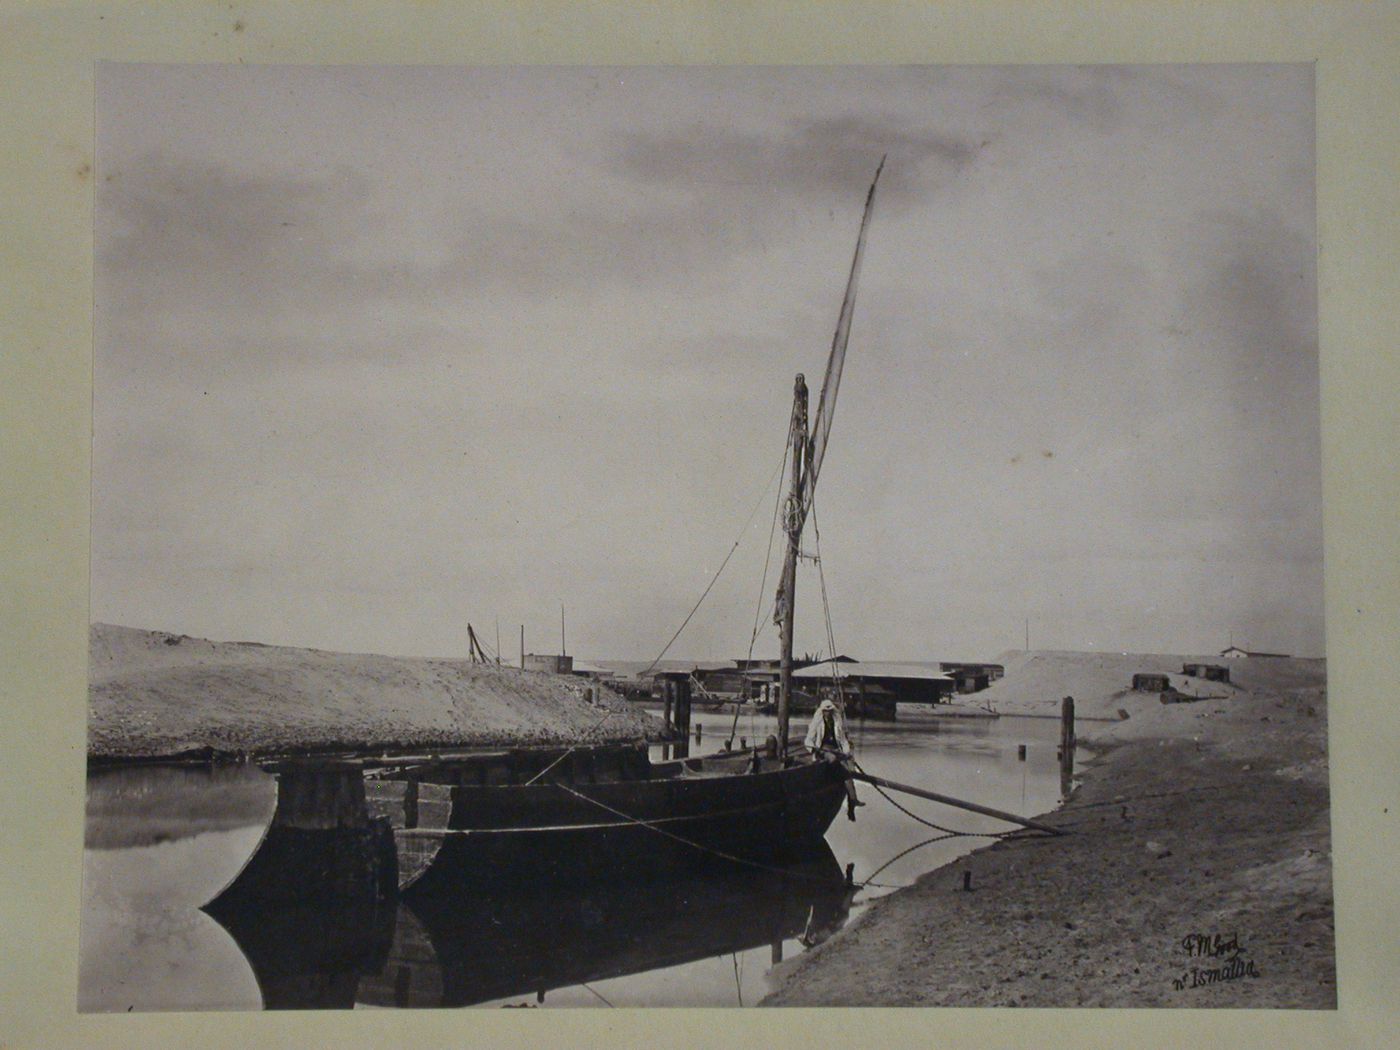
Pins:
<point x="468" y="949"/>
<point x="506" y="820"/>
<point x="709" y="812"/>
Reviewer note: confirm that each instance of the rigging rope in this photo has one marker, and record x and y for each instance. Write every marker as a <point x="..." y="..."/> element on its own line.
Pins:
<point x="758" y="621"/>
<point x="826" y="609"/>
<point x="716" y="576"/>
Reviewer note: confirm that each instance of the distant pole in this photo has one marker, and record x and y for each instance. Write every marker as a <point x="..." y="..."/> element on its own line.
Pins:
<point x="1028" y="634"/>
<point x="563" y="649"/>
<point x="498" y="639"/>
<point x="522" y="647"/>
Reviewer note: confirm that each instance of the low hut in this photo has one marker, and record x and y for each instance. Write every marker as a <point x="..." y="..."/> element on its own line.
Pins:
<point x="1150" y="683"/>
<point x="1210" y="672"/>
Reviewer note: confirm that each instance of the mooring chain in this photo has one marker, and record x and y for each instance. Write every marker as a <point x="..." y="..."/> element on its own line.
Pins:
<point x="948" y="832"/>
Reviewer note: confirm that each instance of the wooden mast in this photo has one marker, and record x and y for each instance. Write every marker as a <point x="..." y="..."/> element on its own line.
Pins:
<point x="808" y="450"/>
<point x="793" y="520"/>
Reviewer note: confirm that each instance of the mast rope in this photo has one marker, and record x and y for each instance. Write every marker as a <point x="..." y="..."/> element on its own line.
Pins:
<point x="714" y="579"/>
<point x="826" y="609"/>
<point x="758" y="623"/>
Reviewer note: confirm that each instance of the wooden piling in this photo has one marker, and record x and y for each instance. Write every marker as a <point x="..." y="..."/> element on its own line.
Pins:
<point x="682" y="712"/>
<point x="1066" y="752"/>
<point x="1067" y="725"/>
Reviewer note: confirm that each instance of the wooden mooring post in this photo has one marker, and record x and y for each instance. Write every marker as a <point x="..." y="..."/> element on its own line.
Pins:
<point x="682" y="695"/>
<point x="1067" y="744"/>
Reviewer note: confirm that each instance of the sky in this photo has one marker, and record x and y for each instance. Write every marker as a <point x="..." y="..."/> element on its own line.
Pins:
<point x="381" y="352"/>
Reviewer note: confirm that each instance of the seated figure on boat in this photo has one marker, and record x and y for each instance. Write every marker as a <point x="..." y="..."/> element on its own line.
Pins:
<point x="826" y="738"/>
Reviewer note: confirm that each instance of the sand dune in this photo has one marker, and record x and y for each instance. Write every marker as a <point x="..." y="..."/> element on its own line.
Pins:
<point x="1101" y="683"/>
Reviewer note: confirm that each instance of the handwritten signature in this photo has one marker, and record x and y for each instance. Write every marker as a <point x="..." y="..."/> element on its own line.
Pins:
<point x="1222" y="958"/>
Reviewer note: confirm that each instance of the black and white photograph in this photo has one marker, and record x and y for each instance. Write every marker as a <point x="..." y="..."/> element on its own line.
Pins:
<point x="706" y="536"/>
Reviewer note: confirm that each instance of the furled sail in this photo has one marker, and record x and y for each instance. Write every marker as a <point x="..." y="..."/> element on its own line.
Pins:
<point x="826" y="407"/>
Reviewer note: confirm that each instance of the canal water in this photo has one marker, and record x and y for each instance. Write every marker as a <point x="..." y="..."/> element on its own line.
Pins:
<point x="162" y="841"/>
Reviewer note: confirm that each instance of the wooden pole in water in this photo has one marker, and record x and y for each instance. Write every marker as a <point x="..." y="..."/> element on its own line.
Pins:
<point x="683" y="717"/>
<point x="1067" y="728"/>
<point x="1066" y="744"/>
<point x="948" y="800"/>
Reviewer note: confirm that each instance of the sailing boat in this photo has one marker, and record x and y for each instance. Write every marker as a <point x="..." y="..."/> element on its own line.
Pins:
<point x="532" y="816"/>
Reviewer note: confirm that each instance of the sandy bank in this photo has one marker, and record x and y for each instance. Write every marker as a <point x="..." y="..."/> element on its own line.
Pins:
<point x="157" y="694"/>
<point x="1198" y="818"/>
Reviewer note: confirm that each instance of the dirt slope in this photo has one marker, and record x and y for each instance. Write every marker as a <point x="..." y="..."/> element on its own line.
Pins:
<point x="1197" y="818"/>
<point x="155" y="694"/>
<point x="1036" y="681"/>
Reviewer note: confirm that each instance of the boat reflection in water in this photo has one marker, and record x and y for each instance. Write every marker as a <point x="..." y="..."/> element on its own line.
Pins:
<point x="443" y="949"/>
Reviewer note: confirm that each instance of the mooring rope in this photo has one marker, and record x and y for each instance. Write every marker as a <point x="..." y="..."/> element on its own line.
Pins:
<point x="899" y="856"/>
<point x="787" y="872"/>
<point x="595" y="991"/>
<point x="571" y="748"/>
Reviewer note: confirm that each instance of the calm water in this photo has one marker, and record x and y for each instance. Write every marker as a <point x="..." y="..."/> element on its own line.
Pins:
<point x="161" y="842"/>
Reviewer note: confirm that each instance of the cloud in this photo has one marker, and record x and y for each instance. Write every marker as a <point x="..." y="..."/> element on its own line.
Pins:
<point x="823" y="158"/>
<point x="1104" y="99"/>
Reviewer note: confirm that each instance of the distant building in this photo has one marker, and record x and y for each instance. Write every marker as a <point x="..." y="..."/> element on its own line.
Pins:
<point x="1236" y="653"/>
<point x="549" y="664"/>
<point x="991" y="671"/>
<point x="1210" y="672"/>
<point x="587" y="670"/>
<point x="728" y="679"/>
<point x="906" y="683"/>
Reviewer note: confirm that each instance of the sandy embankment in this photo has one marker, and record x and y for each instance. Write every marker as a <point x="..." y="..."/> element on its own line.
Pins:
<point x="154" y="694"/>
<point x="1195" y="818"/>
